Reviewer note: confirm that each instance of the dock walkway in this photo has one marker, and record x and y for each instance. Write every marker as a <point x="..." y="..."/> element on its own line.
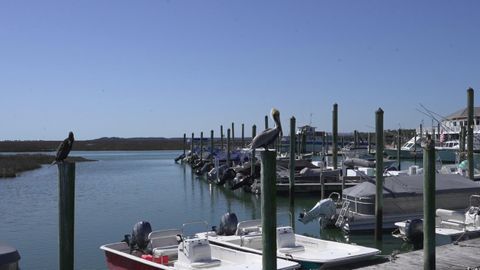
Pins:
<point x="465" y="255"/>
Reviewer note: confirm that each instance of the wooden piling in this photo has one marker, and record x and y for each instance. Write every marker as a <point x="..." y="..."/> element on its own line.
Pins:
<point x="470" y="133"/>
<point x="379" y="176"/>
<point x="201" y="145"/>
<point x="266" y="121"/>
<point x="462" y="139"/>
<point x="212" y="144"/>
<point x="184" y="143"/>
<point x="228" y="148"/>
<point x="429" y="204"/>
<point x="269" y="210"/>
<point x="233" y="135"/>
<point x="355" y="138"/>
<point x="221" y="137"/>
<point x="192" y="144"/>
<point x="421" y="132"/>
<point x="304" y="142"/>
<point x="252" y="168"/>
<point x="335" y="136"/>
<point x="292" y="155"/>
<point x="399" y="146"/>
<point x="415" y="149"/>
<point x="369" y="139"/>
<point x="243" y="135"/>
<point x="66" y="220"/>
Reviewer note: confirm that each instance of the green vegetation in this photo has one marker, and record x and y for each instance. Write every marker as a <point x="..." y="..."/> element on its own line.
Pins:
<point x="11" y="165"/>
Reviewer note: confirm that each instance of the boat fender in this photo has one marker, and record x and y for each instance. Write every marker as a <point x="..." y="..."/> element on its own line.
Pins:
<point x="140" y="232"/>
<point x="414" y="230"/>
<point x="228" y="224"/>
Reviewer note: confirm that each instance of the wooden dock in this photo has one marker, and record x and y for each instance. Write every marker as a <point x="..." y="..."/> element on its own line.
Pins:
<point x="465" y="255"/>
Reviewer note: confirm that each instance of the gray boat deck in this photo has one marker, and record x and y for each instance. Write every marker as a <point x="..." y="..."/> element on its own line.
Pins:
<point x="465" y="255"/>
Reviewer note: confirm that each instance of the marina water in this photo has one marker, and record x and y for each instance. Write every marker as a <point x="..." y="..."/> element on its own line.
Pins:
<point x="121" y="188"/>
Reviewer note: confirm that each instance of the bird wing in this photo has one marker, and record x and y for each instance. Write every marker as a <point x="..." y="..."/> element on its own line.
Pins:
<point x="63" y="150"/>
<point x="265" y="138"/>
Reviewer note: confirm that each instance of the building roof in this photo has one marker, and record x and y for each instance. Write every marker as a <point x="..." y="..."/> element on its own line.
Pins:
<point x="463" y="113"/>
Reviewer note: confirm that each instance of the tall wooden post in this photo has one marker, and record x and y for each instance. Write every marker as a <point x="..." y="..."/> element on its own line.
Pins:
<point x="201" y="145"/>
<point x="66" y="220"/>
<point x="355" y="138"/>
<point x="228" y="148"/>
<point x="243" y="135"/>
<point x="252" y="169"/>
<point x="292" y="155"/>
<point x="269" y="210"/>
<point x="415" y="149"/>
<point x="292" y="171"/>
<point x="379" y="176"/>
<point x="462" y="139"/>
<point x="192" y="144"/>
<point x="369" y="139"/>
<point x="184" y="143"/>
<point x="304" y="142"/>
<point x="335" y="136"/>
<point x="429" y="204"/>
<point x="470" y="133"/>
<point x="399" y="146"/>
<point x="421" y="132"/>
<point x="233" y="135"/>
<point x="266" y="121"/>
<point x="211" y="144"/>
<point x="221" y="137"/>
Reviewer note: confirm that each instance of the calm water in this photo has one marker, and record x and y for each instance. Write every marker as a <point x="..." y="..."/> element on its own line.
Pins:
<point x="120" y="189"/>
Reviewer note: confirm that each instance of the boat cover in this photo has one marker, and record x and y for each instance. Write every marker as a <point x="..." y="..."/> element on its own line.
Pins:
<point x="408" y="185"/>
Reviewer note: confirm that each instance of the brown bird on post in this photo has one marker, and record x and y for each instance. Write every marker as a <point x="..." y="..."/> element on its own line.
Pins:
<point x="269" y="135"/>
<point x="64" y="148"/>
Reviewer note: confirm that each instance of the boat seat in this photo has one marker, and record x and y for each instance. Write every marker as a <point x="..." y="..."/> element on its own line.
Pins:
<point x="165" y="251"/>
<point x="250" y="230"/>
<point x="206" y="264"/>
<point x="453" y="223"/>
<point x="286" y="241"/>
<point x="251" y="241"/>
<point x="288" y="250"/>
<point x="164" y="242"/>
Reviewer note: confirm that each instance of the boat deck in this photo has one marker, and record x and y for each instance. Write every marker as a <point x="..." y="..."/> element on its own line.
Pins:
<point x="461" y="256"/>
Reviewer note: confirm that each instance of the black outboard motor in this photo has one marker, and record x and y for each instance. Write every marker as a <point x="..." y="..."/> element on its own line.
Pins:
<point x="228" y="175"/>
<point x="140" y="233"/>
<point x="228" y="224"/>
<point x="414" y="232"/>
<point x="182" y="156"/>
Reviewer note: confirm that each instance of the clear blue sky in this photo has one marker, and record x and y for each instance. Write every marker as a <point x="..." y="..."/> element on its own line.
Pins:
<point x="162" y="68"/>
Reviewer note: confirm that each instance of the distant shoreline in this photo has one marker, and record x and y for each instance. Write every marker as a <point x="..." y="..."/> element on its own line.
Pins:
<point x="12" y="165"/>
<point x="102" y="144"/>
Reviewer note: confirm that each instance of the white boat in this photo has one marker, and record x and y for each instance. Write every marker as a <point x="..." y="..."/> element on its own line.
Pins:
<point x="170" y="252"/>
<point x="450" y="225"/>
<point x="311" y="253"/>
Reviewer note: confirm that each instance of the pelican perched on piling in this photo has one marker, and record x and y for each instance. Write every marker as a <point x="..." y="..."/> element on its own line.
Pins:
<point x="269" y="135"/>
<point x="64" y="148"/>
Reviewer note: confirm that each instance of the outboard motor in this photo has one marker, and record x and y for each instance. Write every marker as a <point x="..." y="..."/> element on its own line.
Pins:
<point x="414" y="232"/>
<point x="228" y="224"/>
<point x="182" y="156"/>
<point x="227" y="175"/>
<point x="139" y="240"/>
<point x="324" y="210"/>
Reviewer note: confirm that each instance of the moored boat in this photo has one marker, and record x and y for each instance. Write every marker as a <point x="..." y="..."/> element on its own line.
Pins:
<point x="169" y="250"/>
<point x="311" y="253"/>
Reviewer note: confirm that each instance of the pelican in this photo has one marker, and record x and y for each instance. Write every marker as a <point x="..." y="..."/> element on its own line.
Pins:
<point x="64" y="148"/>
<point x="269" y="135"/>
